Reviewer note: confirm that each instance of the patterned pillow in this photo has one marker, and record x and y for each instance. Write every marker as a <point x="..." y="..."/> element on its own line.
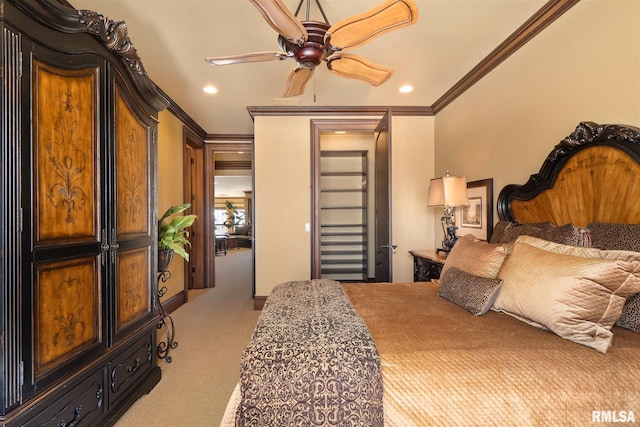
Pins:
<point x="568" y="234"/>
<point x="630" y="318"/>
<point x="473" y="293"/>
<point x="625" y="237"/>
<point x="498" y="231"/>
<point x="620" y="237"/>
<point x="515" y="229"/>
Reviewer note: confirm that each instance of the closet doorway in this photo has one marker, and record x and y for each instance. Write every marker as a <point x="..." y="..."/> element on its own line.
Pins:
<point x="351" y="200"/>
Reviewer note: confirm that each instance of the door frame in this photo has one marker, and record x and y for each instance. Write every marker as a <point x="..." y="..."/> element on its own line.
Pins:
<point x="382" y="176"/>
<point x="317" y="127"/>
<point x="194" y="194"/>
<point x="211" y="148"/>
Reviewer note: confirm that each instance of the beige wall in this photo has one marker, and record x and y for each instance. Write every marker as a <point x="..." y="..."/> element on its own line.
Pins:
<point x="170" y="185"/>
<point x="283" y="167"/>
<point x="281" y="196"/>
<point x="584" y="67"/>
<point x="412" y="166"/>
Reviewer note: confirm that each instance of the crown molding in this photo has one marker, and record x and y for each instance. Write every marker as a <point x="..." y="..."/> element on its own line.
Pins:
<point x="186" y="119"/>
<point x="228" y="137"/>
<point x="333" y="111"/>
<point x="551" y="11"/>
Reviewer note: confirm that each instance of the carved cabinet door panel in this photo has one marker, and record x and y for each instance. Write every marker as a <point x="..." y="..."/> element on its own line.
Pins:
<point x="65" y="253"/>
<point x="134" y="154"/>
<point x="67" y="175"/>
<point x="67" y="310"/>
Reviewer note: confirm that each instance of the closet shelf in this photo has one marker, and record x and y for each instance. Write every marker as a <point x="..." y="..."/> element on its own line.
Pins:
<point x="342" y="207"/>
<point x="344" y="252"/>
<point x="343" y="213"/>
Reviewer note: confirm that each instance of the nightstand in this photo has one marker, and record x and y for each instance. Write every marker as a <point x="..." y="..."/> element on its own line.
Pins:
<point x="427" y="265"/>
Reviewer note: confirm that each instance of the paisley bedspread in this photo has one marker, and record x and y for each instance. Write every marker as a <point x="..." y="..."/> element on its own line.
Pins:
<point x="311" y="362"/>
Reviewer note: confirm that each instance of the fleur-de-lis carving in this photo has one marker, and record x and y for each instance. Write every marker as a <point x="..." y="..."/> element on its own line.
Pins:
<point x="132" y="293"/>
<point x="132" y="182"/>
<point x="70" y="323"/>
<point x="68" y="161"/>
<point x="132" y="197"/>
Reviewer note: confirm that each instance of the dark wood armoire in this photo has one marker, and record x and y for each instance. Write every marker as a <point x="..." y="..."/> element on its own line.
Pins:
<point x="78" y="312"/>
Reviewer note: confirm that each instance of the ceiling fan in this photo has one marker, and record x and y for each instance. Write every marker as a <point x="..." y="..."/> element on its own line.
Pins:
<point x="311" y="42"/>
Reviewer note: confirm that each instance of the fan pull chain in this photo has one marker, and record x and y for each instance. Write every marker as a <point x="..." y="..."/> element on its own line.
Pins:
<point x="314" y="87"/>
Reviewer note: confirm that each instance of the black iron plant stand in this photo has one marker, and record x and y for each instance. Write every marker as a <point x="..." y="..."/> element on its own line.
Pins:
<point x="166" y="321"/>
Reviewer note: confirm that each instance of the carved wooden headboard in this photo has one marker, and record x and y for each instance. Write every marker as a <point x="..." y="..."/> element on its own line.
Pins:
<point x="593" y="175"/>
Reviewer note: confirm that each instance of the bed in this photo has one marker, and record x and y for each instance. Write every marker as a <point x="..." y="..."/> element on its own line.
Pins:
<point x="538" y="326"/>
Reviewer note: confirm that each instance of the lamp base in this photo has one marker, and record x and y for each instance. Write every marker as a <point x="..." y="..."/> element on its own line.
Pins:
<point x="450" y="237"/>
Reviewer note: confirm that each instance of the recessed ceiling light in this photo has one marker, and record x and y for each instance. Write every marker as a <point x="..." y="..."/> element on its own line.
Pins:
<point x="406" y="89"/>
<point x="341" y="131"/>
<point x="210" y="89"/>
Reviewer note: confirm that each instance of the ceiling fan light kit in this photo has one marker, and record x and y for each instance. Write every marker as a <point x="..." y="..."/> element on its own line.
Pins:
<point x="311" y="42"/>
<point x="312" y="51"/>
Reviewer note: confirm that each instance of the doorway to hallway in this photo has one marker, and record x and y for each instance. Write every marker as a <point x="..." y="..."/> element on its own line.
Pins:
<point x="230" y="213"/>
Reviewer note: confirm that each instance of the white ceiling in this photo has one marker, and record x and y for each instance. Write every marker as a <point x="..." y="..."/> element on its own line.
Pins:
<point x="173" y="37"/>
<point x="232" y="186"/>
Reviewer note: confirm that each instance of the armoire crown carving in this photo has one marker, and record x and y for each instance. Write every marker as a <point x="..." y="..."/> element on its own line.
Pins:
<point x="78" y="218"/>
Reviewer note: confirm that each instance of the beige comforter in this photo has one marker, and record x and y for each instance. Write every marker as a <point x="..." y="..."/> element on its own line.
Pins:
<point x="442" y="366"/>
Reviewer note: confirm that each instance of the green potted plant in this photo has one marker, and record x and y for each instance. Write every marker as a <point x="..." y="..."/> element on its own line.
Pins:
<point x="173" y="235"/>
<point x="233" y="217"/>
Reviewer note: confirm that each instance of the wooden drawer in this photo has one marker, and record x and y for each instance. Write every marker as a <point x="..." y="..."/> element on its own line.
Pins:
<point x="131" y="366"/>
<point x="83" y="404"/>
<point x="425" y="269"/>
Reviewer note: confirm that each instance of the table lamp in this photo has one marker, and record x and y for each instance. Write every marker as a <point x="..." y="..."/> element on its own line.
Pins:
<point x="448" y="192"/>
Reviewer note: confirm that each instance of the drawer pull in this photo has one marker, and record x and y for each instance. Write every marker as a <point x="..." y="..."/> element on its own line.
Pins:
<point x="76" y="418"/>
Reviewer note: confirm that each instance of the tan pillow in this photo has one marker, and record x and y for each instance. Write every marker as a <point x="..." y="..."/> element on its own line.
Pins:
<point x="558" y="248"/>
<point x="577" y="297"/>
<point x="475" y="257"/>
<point x="630" y="317"/>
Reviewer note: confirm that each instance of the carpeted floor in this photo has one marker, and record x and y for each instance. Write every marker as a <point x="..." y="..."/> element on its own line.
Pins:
<point x="212" y="329"/>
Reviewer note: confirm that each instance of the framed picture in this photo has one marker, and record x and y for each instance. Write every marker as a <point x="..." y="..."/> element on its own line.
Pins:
<point x="477" y="218"/>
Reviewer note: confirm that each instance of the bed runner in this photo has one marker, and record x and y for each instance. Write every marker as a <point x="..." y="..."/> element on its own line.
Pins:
<point x="311" y="362"/>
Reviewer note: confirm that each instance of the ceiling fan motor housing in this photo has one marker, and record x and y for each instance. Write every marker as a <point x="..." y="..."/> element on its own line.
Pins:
<point x="311" y="53"/>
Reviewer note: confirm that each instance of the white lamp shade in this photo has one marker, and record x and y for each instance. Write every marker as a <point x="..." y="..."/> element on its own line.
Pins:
<point x="448" y="191"/>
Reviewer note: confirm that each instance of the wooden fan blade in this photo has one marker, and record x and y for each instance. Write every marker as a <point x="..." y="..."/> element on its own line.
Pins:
<point x="296" y="81"/>
<point x="246" y="57"/>
<point x="282" y="20"/>
<point x="356" y="67"/>
<point x="362" y="28"/>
